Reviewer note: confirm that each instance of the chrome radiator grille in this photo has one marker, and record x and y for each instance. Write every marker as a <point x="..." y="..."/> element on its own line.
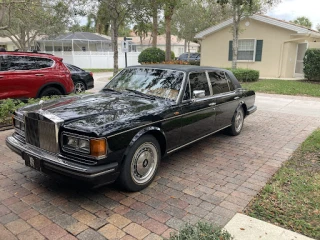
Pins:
<point x="41" y="134"/>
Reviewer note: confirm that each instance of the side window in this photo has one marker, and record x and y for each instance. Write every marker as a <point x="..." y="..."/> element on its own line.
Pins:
<point x="231" y="86"/>
<point x="4" y="63"/>
<point x="186" y="95"/>
<point x="22" y="63"/>
<point x="219" y="82"/>
<point x="199" y="82"/>
<point x="44" y="62"/>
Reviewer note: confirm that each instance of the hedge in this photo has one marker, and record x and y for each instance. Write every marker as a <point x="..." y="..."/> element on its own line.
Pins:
<point x="245" y="75"/>
<point x="8" y="106"/>
<point x="311" y="66"/>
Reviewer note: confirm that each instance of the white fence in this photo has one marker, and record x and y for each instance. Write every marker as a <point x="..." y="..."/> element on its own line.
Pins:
<point x="97" y="59"/>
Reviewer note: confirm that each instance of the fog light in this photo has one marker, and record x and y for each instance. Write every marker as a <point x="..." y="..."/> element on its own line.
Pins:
<point x="98" y="147"/>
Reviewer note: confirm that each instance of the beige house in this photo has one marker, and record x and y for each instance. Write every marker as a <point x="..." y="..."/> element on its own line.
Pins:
<point x="274" y="47"/>
<point x="177" y="45"/>
<point x="7" y="44"/>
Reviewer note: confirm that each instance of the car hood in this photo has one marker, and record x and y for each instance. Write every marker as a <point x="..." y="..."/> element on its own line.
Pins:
<point x="100" y="112"/>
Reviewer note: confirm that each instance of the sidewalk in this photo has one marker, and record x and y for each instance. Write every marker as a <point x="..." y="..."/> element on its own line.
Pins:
<point x="243" y="227"/>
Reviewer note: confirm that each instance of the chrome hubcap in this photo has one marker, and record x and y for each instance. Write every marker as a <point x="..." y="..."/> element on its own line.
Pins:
<point x="144" y="163"/>
<point x="79" y="87"/>
<point x="239" y="121"/>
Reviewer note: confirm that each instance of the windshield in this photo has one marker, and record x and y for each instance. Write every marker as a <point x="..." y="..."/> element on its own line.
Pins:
<point x="155" y="82"/>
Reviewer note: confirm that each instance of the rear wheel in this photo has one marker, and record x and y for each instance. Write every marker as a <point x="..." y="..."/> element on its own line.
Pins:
<point x="50" y="91"/>
<point x="237" y="122"/>
<point x="140" y="164"/>
<point x="79" y="87"/>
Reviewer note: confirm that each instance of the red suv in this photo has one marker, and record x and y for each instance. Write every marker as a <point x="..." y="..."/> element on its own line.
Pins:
<point x="33" y="75"/>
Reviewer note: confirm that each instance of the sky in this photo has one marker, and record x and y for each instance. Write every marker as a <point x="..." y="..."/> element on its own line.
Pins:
<point x="286" y="10"/>
<point x="291" y="9"/>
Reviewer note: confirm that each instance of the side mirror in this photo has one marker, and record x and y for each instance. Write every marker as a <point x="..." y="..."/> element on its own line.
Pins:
<point x="199" y="93"/>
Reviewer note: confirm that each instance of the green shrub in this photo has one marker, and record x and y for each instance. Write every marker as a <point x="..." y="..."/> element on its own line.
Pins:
<point x="311" y="66"/>
<point x="8" y="106"/>
<point x="201" y="231"/>
<point x="194" y="63"/>
<point x="173" y="56"/>
<point x="151" y="55"/>
<point x="245" y="75"/>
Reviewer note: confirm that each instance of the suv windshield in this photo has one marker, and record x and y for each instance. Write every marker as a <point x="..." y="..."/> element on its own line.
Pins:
<point x="155" y="82"/>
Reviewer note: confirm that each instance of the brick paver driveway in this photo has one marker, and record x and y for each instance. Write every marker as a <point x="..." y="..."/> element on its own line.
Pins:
<point x="210" y="180"/>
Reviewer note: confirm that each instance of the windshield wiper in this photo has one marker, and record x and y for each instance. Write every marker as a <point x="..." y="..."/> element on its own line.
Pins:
<point x="111" y="90"/>
<point x="140" y="93"/>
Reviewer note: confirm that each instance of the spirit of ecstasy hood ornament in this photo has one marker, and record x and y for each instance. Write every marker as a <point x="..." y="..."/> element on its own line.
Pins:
<point x="40" y="103"/>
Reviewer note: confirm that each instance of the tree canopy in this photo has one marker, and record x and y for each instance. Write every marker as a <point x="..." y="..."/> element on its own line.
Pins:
<point x="303" y="21"/>
<point x="26" y="20"/>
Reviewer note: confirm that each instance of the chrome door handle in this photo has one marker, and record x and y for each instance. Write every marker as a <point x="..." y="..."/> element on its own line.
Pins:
<point x="39" y="74"/>
<point x="235" y="98"/>
<point x="212" y="104"/>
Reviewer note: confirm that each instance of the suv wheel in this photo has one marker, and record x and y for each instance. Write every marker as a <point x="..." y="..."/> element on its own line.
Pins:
<point x="50" y="91"/>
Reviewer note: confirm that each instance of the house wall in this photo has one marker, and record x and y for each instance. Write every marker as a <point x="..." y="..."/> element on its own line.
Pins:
<point x="314" y="45"/>
<point x="215" y="48"/>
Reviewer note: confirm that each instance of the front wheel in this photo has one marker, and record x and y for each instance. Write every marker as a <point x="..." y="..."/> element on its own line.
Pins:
<point x="237" y="122"/>
<point x="50" y="91"/>
<point x="140" y="164"/>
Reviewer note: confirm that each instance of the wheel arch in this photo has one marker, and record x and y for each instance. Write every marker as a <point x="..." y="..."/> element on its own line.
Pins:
<point x="156" y="132"/>
<point x="244" y="106"/>
<point x="80" y="80"/>
<point x="52" y="84"/>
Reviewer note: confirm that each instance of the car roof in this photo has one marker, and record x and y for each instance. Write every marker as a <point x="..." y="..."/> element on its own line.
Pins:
<point x="31" y="54"/>
<point x="177" y="67"/>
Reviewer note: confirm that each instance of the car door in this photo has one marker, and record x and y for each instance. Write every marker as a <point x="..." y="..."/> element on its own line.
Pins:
<point x="21" y="78"/>
<point x="227" y="99"/>
<point x="197" y="108"/>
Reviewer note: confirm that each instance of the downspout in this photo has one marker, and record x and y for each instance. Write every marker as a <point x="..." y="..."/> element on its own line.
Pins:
<point x="281" y="53"/>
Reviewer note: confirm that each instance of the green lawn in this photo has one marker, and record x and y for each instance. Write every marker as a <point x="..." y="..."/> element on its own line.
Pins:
<point x="291" y="199"/>
<point x="302" y="88"/>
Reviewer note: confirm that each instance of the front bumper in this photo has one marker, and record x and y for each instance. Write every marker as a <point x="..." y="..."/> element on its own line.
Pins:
<point x="55" y="164"/>
<point x="251" y="110"/>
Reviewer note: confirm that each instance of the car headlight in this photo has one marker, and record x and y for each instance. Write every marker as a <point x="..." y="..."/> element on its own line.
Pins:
<point x="93" y="147"/>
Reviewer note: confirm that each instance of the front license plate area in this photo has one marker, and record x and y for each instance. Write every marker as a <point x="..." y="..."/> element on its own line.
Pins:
<point x="32" y="162"/>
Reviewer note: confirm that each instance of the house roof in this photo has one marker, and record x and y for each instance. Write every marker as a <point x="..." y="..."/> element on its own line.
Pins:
<point x="161" y="40"/>
<point x="262" y="18"/>
<point x="86" y="36"/>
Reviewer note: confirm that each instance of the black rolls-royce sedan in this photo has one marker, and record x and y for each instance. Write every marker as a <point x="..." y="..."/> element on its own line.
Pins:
<point x="122" y="132"/>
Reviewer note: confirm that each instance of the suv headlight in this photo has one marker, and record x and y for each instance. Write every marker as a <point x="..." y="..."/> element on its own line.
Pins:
<point x="96" y="147"/>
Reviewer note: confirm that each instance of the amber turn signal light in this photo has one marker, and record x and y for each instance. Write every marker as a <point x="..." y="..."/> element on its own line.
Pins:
<point x="98" y="147"/>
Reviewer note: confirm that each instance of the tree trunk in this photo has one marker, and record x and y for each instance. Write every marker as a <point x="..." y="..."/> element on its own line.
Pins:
<point x="154" y="25"/>
<point x="185" y="45"/>
<point x="168" y="38"/>
<point x="235" y="32"/>
<point x="115" y="29"/>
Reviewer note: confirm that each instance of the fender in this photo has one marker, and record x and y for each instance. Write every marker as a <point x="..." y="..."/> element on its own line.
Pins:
<point x="142" y="132"/>
<point x="242" y="103"/>
<point x="50" y="84"/>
